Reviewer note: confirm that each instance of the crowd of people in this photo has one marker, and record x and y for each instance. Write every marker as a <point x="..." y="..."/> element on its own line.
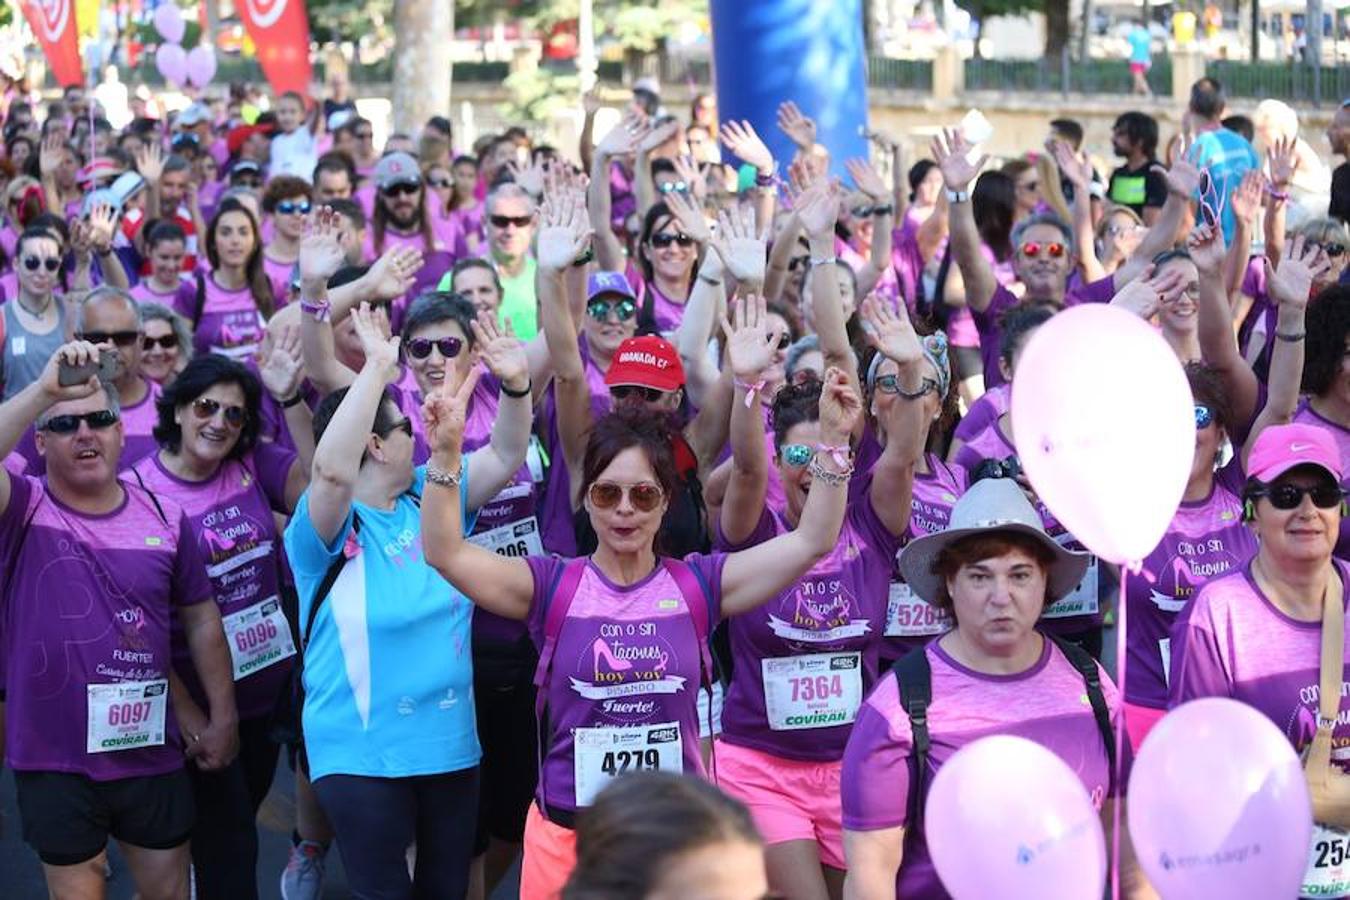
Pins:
<point x="655" y="521"/>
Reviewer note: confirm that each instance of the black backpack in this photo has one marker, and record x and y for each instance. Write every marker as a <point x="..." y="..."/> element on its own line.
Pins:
<point x="915" y="680"/>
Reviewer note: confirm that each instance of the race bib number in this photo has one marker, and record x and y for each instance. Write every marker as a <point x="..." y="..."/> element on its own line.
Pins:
<point x="515" y="539"/>
<point x="127" y="715"/>
<point x="908" y="615"/>
<point x="602" y="754"/>
<point x="1082" y="600"/>
<point x="1328" y="873"/>
<point x="818" y="690"/>
<point x="259" y="636"/>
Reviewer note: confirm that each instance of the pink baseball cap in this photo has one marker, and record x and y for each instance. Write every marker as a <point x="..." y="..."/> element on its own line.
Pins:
<point x="1283" y="447"/>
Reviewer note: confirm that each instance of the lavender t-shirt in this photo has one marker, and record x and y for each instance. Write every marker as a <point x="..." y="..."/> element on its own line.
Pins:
<point x="626" y="657"/>
<point x="1306" y="415"/>
<point x="666" y="312"/>
<point x="231" y="519"/>
<point x="828" y="624"/>
<point x="180" y="298"/>
<point x="119" y="575"/>
<point x="991" y="405"/>
<point x="230" y="325"/>
<point x="279" y="274"/>
<point x="1206" y="540"/>
<point x="556" y="505"/>
<point x="1044" y="704"/>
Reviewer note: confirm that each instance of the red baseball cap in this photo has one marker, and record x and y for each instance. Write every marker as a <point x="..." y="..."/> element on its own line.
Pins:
<point x="240" y="133"/>
<point x="646" y="361"/>
<point x="1283" y="447"/>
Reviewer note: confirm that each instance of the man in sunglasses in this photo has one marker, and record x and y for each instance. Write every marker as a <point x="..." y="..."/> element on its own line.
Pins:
<point x="97" y="571"/>
<point x="33" y="326"/>
<point x="510" y="223"/>
<point x="400" y="216"/>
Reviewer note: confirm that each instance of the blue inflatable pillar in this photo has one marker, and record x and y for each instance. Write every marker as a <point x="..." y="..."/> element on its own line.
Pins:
<point x="807" y="51"/>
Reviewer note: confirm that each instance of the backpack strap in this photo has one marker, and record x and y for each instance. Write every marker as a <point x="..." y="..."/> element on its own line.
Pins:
<point x="1087" y="667"/>
<point x="698" y="598"/>
<point x="326" y="586"/>
<point x="559" y="598"/>
<point x="153" y="499"/>
<point x="915" y="679"/>
<point x="199" y="301"/>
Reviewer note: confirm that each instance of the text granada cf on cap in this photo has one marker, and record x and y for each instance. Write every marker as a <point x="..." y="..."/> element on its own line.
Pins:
<point x="646" y="361"/>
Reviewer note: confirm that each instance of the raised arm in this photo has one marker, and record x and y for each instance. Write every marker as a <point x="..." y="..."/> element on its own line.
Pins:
<point x="49" y="160"/>
<point x="817" y="208"/>
<point x="952" y="151"/>
<point x="493" y="467"/>
<point x="883" y="223"/>
<point x="1218" y="344"/>
<point x="644" y="186"/>
<point x="1078" y="170"/>
<point x="500" y="584"/>
<point x="751" y="341"/>
<point x="742" y="139"/>
<point x="753" y="576"/>
<point x="283" y="376"/>
<point x="150" y="165"/>
<point x="320" y="257"/>
<point x="1183" y="180"/>
<point x="622" y="140"/>
<point x="590" y="105"/>
<point x="785" y="247"/>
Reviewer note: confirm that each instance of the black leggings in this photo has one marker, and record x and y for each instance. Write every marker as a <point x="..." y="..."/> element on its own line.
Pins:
<point x="376" y="819"/>
<point x="225" y="836"/>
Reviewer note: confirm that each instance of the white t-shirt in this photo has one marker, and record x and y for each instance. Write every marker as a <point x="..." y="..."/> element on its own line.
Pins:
<point x="294" y="154"/>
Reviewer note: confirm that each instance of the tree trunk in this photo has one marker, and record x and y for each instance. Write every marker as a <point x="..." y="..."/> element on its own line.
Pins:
<point x="1056" y="27"/>
<point x="422" y="33"/>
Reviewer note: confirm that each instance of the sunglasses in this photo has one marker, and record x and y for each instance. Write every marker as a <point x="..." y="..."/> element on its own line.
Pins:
<point x="674" y="187"/>
<point x="404" y="425"/>
<point x="420" y="348"/>
<point x="623" y="392"/>
<point x="1032" y="250"/>
<point x="1010" y="467"/>
<point x="796" y="455"/>
<point x="32" y="263"/>
<point x="69" y="424"/>
<point x="1290" y="496"/>
<point x="247" y="181"/>
<point x="644" y="496"/>
<point x="623" y="310"/>
<point x="205" y="408"/>
<point x="663" y="240"/>
<point x="864" y="212"/>
<point x="1203" y="416"/>
<point x="164" y="342"/>
<point x="119" y="338"/>
<point x="503" y="221"/>
<point x="406" y="189"/>
<point x="890" y="384"/>
<point x="439" y="182"/>
<point x="1331" y="250"/>
<point x="292" y="207"/>
<point x="798" y="262"/>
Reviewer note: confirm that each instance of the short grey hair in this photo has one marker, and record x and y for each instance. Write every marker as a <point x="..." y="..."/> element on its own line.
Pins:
<point x="102" y="294"/>
<point x="109" y="394"/>
<point x="181" y="329"/>
<point x="505" y="190"/>
<point x="1050" y="219"/>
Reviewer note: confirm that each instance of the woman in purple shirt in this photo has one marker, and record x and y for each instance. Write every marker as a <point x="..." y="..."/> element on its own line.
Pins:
<point x="287" y="202"/>
<point x="233" y="299"/>
<point x="623" y="633"/>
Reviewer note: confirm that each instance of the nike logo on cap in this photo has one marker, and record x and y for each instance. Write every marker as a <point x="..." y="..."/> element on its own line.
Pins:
<point x="1299" y="448"/>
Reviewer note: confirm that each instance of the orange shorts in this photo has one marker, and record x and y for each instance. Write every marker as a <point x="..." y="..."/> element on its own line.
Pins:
<point x="550" y="856"/>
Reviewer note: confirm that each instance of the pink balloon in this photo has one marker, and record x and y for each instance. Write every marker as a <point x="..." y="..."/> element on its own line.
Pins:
<point x="1105" y="427"/>
<point x="172" y="64"/>
<point x="1008" y="818"/>
<point x="201" y="65"/>
<point x="169" y="23"/>
<point x="1218" y="806"/>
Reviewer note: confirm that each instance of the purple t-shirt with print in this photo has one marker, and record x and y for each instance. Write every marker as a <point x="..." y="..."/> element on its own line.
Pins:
<point x="991" y="332"/>
<point x="138" y="426"/>
<point x="120" y="575"/>
<point x="1306" y="415"/>
<point x="279" y="274"/>
<point x="231" y="519"/>
<point x="666" y="312"/>
<point x="1232" y="641"/>
<point x="625" y="657"/>
<point x="231" y="324"/>
<point x="556" y="504"/>
<point x="1206" y="540"/>
<point x="180" y="298"/>
<point x="1043" y="704"/>
<point x="830" y="621"/>
<point x="991" y="405"/>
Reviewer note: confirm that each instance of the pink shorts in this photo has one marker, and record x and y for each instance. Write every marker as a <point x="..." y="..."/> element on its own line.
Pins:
<point x="1137" y="68"/>
<point x="790" y="800"/>
<point x="550" y="856"/>
<point x="1139" y="721"/>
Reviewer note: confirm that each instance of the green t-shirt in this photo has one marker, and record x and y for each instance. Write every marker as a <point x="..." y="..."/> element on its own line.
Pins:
<point x="519" y="303"/>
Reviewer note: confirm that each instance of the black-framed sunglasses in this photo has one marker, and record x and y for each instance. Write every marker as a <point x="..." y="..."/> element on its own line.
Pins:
<point x="799" y="262"/>
<point x="403" y="189"/>
<point x="662" y="240"/>
<point x="294" y="207"/>
<point x="864" y="212"/>
<point x="205" y="408"/>
<point x="623" y="310"/>
<point x="404" y="425"/>
<point x="164" y="342"/>
<point x="503" y="221"/>
<point x="70" y="423"/>
<point x="33" y="263"/>
<point x="118" y="338"/>
<point x="624" y="392"/>
<point x="1333" y="250"/>
<point x="420" y="348"/>
<point x="1290" y="496"/>
<point x="439" y="182"/>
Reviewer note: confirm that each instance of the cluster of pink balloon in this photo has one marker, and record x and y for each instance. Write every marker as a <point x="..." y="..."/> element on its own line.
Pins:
<point x="178" y="66"/>
<point x="1218" y="806"/>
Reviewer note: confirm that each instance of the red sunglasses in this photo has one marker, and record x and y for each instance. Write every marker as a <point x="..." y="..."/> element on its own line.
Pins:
<point x="1032" y="250"/>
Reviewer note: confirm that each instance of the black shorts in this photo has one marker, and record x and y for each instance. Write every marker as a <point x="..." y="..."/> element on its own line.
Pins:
<point x="67" y="818"/>
<point x="504" y="702"/>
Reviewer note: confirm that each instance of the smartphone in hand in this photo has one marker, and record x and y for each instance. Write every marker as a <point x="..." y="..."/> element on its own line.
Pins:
<point x="105" y="368"/>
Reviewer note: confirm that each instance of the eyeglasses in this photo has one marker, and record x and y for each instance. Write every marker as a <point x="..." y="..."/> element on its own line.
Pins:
<point x="404" y="189"/>
<point x="503" y="221"/>
<point x="420" y="348"/>
<point x="1032" y="250"/>
<point x="292" y="207"/>
<point x="644" y="495"/>
<point x="674" y="187"/>
<point x="69" y="424"/>
<point x="439" y="182"/>
<point x="32" y="263"/>
<point x="623" y="310"/>
<point x="164" y="342"/>
<point x="1290" y="496"/>
<point x="890" y="384"/>
<point x="1203" y="416"/>
<point x="796" y="455"/>
<point x="624" y="392"/>
<point x="1331" y="250"/>
<point x="662" y="240"/>
<point x="119" y="338"/>
<point x="404" y="425"/>
<point x="1009" y="467"/>
<point x="865" y="212"/>
<point x="205" y="408"/>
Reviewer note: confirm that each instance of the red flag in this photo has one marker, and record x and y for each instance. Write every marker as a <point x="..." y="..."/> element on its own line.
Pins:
<point x="280" y="31"/>
<point x="53" y="21"/>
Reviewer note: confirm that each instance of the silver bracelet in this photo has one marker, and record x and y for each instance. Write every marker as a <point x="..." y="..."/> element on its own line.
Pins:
<point x="442" y="477"/>
<point x="826" y="476"/>
<point x="824" y="261"/>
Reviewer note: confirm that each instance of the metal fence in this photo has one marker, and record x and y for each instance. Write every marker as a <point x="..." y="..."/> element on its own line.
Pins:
<point x="1296" y="82"/>
<point x="1063" y="74"/>
<point x="902" y="74"/>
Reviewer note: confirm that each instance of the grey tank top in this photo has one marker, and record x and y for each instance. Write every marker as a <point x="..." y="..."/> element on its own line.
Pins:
<point x="25" y="353"/>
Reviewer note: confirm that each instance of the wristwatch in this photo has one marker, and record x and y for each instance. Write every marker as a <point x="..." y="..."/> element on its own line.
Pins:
<point x="958" y="196"/>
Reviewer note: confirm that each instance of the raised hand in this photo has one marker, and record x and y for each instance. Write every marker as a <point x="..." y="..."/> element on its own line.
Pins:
<point x="865" y="176"/>
<point x="799" y="129"/>
<point x="690" y="216"/>
<point x="1145" y="294"/>
<point x="102" y="227"/>
<point x="741" y="139"/>
<point x="446" y="409"/>
<point x="1246" y="200"/>
<point x="502" y="352"/>
<point x="52" y="152"/>
<point x="80" y="245"/>
<point x="283" y="365"/>
<point x="380" y="348"/>
<point x="1282" y="158"/>
<point x="1074" y="166"/>
<point x="752" y="339"/>
<point x="564" y="231"/>
<point x="623" y="139"/>
<point x="951" y="150"/>
<point x="658" y="135"/>
<point x="530" y="178"/>
<point x="688" y="171"/>
<point x="840" y="408"/>
<point x="150" y="162"/>
<point x="74" y="354"/>
<point x="1302" y="264"/>
<point x="590" y="102"/>
<point x="321" y="252"/>
<point x="743" y="250"/>
<point x="394" y="272"/>
<point x="890" y="332"/>
<point x="816" y="201"/>
<point x="1206" y="247"/>
<point x="1183" y="179"/>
